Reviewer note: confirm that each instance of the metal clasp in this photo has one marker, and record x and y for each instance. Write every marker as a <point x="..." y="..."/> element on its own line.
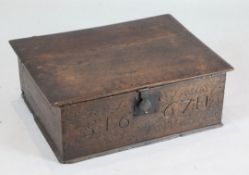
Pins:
<point x="146" y="102"/>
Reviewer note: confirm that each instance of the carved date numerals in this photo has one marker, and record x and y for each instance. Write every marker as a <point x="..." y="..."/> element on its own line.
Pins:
<point x="108" y="124"/>
<point x="184" y="106"/>
<point x="104" y="126"/>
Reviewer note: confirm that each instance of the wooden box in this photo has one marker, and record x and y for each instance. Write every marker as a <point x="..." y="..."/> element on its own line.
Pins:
<point x="110" y="88"/>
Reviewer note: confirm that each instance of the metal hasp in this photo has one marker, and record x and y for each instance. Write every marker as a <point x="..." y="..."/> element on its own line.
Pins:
<point x="146" y="102"/>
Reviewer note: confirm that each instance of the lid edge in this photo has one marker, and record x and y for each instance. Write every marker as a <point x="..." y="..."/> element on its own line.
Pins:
<point x="81" y="99"/>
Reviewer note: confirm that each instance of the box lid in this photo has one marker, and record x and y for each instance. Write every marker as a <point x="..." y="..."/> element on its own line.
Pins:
<point x="88" y="64"/>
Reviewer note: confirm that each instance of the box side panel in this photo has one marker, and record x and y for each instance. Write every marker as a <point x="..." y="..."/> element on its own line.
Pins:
<point x="101" y="125"/>
<point x="46" y="116"/>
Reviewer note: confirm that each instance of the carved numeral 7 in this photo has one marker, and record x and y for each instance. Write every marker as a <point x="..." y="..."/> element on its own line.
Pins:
<point x="187" y="102"/>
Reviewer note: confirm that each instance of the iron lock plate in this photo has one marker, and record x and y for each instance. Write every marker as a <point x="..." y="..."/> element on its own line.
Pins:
<point x="147" y="102"/>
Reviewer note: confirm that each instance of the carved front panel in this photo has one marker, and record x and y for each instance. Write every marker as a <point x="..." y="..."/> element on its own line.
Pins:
<point x="108" y="123"/>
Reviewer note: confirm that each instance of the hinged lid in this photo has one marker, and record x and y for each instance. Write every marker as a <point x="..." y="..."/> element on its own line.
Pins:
<point x="93" y="63"/>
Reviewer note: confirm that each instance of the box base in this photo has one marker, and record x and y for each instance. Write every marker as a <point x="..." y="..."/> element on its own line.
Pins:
<point x="142" y="143"/>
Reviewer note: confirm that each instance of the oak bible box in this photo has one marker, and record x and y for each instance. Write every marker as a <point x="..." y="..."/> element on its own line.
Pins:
<point x="110" y="88"/>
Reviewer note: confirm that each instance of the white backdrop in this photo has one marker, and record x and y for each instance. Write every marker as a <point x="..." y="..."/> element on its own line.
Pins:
<point x="223" y="25"/>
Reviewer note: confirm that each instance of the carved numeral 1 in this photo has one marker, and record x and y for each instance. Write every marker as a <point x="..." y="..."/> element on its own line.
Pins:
<point x="202" y="102"/>
<point x="107" y="124"/>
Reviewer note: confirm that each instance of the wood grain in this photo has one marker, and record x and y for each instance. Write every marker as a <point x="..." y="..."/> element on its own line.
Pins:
<point x="83" y="87"/>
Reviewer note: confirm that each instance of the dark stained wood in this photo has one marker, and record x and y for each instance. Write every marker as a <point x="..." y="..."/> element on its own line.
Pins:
<point x="104" y="124"/>
<point x="89" y="64"/>
<point x="85" y="88"/>
<point x="48" y="117"/>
